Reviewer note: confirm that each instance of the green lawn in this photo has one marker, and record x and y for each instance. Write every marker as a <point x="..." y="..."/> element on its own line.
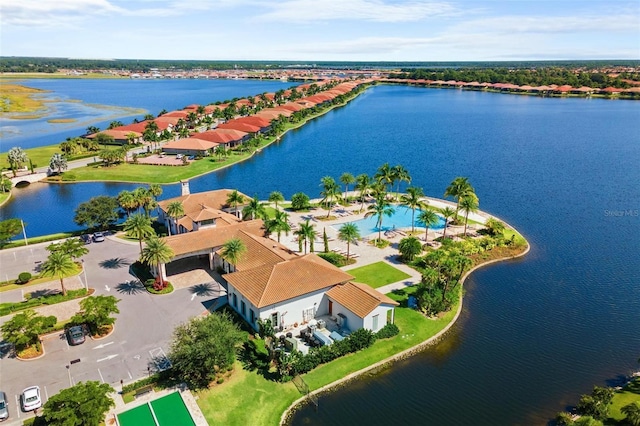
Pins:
<point x="630" y="394"/>
<point x="246" y="398"/>
<point x="378" y="274"/>
<point x="39" y="156"/>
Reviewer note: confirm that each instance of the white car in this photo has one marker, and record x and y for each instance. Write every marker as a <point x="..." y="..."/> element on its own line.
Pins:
<point x="31" y="398"/>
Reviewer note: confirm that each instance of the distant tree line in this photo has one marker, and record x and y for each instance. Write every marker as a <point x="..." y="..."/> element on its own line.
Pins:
<point x="532" y="77"/>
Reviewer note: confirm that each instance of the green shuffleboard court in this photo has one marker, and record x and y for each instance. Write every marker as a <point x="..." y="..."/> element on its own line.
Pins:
<point x="169" y="410"/>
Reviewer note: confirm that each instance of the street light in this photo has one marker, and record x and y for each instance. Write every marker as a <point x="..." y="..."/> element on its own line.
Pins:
<point x="84" y="270"/>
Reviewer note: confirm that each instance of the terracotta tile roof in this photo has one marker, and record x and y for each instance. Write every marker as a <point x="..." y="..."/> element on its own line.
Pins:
<point x="292" y="106"/>
<point x="238" y="126"/>
<point x="191" y="144"/>
<point x="135" y="127"/>
<point x="165" y="119"/>
<point x="220" y="136"/>
<point x="254" y="120"/>
<point x="270" y="284"/>
<point x="266" y="115"/>
<point x="179" y="114"/>
<point x="193" y="202"/>
<point x="261" y="251"/>
<point x="209" y="238"/>
<point x="279" y="110"/>
<point x="359" y="298"/>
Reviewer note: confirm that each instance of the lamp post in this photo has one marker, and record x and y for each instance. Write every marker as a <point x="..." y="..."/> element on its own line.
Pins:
<point x="84" y="270"/>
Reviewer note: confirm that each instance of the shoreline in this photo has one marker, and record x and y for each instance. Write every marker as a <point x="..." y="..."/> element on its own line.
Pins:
<point x="286" y="415"/>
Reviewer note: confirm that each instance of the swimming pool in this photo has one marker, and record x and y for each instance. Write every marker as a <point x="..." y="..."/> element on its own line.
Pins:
<point x="400" y="219"/>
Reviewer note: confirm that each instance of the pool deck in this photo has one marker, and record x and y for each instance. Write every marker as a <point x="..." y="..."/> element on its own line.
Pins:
<point x="367" y="253"/>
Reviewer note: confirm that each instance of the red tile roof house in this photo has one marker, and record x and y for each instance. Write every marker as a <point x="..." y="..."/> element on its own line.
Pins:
<point x="190" y="146"/>
<point x="270" y="281"/>
<point x="227" y="137"/>
<point x="120" y="137"/>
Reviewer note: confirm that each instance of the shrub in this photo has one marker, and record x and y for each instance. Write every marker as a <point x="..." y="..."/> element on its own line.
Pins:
<point x="23" y="278"/>
<point x="151" y="380"/>
<point x="300" y="201"/>
<point x="387" y="331"/>
<point x="335" y="259"/>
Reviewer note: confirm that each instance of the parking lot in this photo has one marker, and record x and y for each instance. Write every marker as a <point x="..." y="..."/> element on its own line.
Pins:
<point x="136" y="348"/>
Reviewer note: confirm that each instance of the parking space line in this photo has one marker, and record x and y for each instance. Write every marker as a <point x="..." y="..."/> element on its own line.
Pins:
<point x="45" y="393"/>
<point x="18" y="406"/>
<point x="100" y="373"/>
<point x="130" y="376"/>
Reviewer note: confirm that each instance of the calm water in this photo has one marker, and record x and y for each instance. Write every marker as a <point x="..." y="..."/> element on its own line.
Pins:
<point x="535" y="332"/>
<point x="152" y="96"/>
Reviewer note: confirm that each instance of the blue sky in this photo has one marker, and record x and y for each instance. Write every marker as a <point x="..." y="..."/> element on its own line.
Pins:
<point x="308" y="30"/>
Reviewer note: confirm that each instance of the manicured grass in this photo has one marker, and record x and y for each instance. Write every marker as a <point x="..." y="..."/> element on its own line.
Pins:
<point x="19" y="242"/>
<point x="246" y="398"/>
<point x="378" y="274"/>
<point x="39" y="156"/>
<point x="631" y="393"/>
<point x="4" y="196"/>
<point x="10" y="285"/>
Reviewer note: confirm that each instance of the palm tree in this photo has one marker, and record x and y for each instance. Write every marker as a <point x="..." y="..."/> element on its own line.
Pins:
<point x="306" y="233"/>
<point x="127" y="201"/>
<point x="58" y="162"/>
<point x="409" y="248"/>
<point x="363" y="185"/>
<point x="349" y="233"/>
<point x="156" y="252"/>
<point x="155" y="190"/>
<point x="276" y="197"/>
<point x="347" y="179"/>
<point x="58" y="264"/>
<point x="457" y="189"/>
<point x="447" y="213"/>
<point x="380" y="208"/>
<point x="144" y="198"/>
<point x="279" y="224"/>
<point x="632" y="411"/>
<point x="72" y="247"/>
<point x="468" y="204"/>
<point x="429" y="218"/>
<point x="385" y="176"/>
<point x="254" y="208"/>
<point x="330" y="192"/>
<point x="234" y="198"/>
<point x="139" y="226"/>
<point x="175" y="210"/>
<point x="233" y="251"/>
<point x="412" y="200"/>
<point x="401" y="174"/>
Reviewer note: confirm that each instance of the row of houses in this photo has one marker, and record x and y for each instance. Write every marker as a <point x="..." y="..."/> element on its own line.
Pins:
<point x="508" y="87"/>
<point x="270" y="281"/>
<point x="235" y="131"/>
<point x="226" y="133"/>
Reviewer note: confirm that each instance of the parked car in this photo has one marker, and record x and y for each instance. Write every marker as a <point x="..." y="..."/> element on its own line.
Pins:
<point x="4" y="409"/>
<point x="75" y="335"/>
<point x="179" y="156"/>
<point x="31" y="398"/>
<point x="86" y="238"/>
<point x="98" y="237"/>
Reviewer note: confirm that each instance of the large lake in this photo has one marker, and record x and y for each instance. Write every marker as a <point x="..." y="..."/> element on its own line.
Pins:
<point x="535" y="332"/>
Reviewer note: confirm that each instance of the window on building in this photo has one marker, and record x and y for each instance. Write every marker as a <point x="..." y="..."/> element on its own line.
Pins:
<point x="308" y="314"/>
<point x="252" y="316"/>
<point x="274" y="320"/>
<point x="235" y="300"/>
<point x="243" y="308"/>
<point x="374" y="325"/>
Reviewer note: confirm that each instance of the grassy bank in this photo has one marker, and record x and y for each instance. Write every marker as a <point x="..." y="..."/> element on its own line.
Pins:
<point x="378" y="274"/>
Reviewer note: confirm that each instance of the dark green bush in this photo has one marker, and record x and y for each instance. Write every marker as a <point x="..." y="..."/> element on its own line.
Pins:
<point x="387" y="331"/>
<point x="334" y="258"/>
<point x="151" y="380"/>
<point x="23" y="278"/>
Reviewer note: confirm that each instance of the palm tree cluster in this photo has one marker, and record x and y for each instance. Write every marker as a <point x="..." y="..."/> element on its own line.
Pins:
<point x="145" y="198"/>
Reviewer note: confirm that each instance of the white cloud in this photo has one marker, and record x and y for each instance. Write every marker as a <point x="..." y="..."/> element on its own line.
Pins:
<point x="49" y="13"/>
<point x="296" y="11"/>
